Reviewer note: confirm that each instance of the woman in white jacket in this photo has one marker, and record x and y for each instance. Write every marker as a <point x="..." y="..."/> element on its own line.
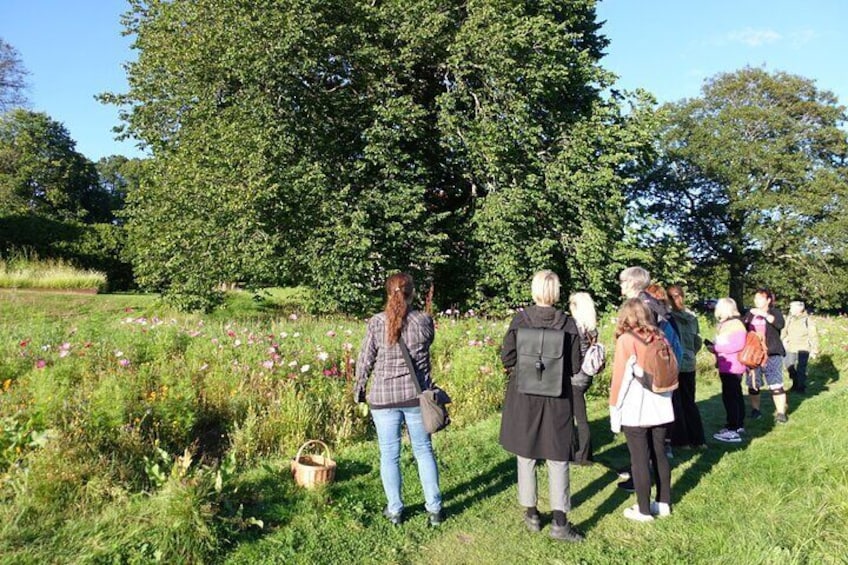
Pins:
<point x="642" y="414"/>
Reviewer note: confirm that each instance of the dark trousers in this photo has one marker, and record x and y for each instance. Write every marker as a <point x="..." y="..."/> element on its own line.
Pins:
<point x="734" y="403"/>
<point x="646" y="448"/>
<point x="583" y="449"/>
<point x="687" y="428"/>
<point x="796" y="363"/>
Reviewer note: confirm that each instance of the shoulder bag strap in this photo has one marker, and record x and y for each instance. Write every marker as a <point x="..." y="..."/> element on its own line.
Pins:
<point x="412" y="372"/>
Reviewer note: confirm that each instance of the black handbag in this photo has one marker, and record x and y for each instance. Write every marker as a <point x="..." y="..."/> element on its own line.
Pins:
<point x="434" y="411"/>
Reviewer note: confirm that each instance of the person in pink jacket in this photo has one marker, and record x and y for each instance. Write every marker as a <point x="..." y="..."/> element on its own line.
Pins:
<point x="730" y="339"/>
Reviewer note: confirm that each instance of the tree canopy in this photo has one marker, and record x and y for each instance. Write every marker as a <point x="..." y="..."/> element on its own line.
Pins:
<point x="752" y="175"/>
<point x="330" y="143"/>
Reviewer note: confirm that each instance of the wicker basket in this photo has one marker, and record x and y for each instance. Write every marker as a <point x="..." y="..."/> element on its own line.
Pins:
<point x="311" y="470"/>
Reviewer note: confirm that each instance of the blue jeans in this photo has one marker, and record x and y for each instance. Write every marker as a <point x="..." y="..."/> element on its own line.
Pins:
<point x="388" y="422"/>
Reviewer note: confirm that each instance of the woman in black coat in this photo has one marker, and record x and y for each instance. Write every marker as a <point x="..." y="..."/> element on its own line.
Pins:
<point x="541" y="427"/>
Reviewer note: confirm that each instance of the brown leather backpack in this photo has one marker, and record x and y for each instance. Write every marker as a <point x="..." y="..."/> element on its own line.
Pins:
<point x="754" y="354"/>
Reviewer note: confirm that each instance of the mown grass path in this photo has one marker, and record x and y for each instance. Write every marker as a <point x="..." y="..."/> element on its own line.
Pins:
<point x="781" y="496"/>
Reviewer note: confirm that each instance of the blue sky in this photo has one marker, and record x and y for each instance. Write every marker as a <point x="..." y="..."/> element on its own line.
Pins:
<point x="74" y="50"/>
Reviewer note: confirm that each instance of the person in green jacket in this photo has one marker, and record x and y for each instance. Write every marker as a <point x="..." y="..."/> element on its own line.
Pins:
<point x="688" y="428"/>
<point x="801" y="341"/>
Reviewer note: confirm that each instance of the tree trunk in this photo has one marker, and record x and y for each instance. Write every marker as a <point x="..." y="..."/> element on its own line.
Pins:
<point x="737" y="286"/>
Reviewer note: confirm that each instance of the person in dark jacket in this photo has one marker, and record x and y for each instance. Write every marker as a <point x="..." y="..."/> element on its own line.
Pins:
<point x="393" y="397"/>
<point x="688" y="429"/>
<point x="765" y="319"/>
<point x="582" y="309"/>
<point x="541" y="427"/>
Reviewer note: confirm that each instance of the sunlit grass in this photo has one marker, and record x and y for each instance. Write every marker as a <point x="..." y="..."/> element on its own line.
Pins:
<point x="48" y="274"/>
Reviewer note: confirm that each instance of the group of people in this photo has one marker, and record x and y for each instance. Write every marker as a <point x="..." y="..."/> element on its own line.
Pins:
<point x="555" y="427"/>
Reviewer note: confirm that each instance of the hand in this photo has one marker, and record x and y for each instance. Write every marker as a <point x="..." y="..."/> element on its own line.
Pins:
<point x="358" y="395"/>
<point x="758" y="312"/>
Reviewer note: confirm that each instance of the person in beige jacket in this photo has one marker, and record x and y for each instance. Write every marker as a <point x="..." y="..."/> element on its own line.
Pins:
<point x="801" y="341"/>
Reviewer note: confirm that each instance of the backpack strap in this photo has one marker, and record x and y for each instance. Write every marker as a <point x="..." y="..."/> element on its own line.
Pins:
<point x="408" y="358"/>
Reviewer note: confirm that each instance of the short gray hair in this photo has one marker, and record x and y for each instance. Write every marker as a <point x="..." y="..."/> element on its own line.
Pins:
<point x="637" y="277"/>
<point x="545" y="288"/>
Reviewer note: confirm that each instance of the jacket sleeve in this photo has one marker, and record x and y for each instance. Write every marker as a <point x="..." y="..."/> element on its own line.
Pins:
<point x="624" y="348"/>
<point x="698" y="342"/>
<point x="509" y="354"/>
<point x="367" y="358"/>
<point x="813" y="334"/>
<point x="779" y="322"/>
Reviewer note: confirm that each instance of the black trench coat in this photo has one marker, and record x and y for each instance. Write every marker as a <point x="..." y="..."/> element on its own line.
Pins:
<point x="539" y="427"/>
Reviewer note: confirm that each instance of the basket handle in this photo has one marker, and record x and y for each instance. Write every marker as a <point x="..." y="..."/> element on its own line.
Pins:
<point x="311" y="441"/>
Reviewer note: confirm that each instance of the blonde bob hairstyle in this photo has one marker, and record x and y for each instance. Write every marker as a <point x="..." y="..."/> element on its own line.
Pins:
<point x="582" y="309"/>
<point x="725" y="309"/>
<point x="545" y="288"/>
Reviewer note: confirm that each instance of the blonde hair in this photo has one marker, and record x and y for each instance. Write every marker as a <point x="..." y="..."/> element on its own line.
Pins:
<point x="545" y="288"/>
<point x="582" y="309"/>
<point x="634" y="316"/>
<point x="725" y="309"/>
<point x="636" y="277"/>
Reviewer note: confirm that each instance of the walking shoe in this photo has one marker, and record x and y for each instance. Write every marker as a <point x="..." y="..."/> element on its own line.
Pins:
<point x="781" y="418"/>
<point x="395" y="519"/>
<point x="756" y="414"/>
<point x="627" y="485"/>
<point x="436" y="518"/>
<point x="566" y="532"/>
<point x="533" y="523"/>
<point x="661" y="509"/>
<point x="740" y="431"/>
<point x="624" y="473"/>
<point x="728" y="436"/>
<point x="633" y="514"/>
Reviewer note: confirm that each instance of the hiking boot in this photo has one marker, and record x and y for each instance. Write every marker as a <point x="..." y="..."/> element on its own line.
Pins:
<point x="756" y="414"/>
<point x="533" y="523"/>
<point x="395" y="519"/>
<point x="727" y="436"/>
<point x="781" y="418"/>
<point x="566" y="532"/>
<point x="436" y="518"/>
<point x="627" y="485"/>
<point x="633" y="513"/>
<point x="661" y="509"/>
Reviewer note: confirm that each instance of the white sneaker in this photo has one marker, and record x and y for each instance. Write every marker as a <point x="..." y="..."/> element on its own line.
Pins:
<point x="728" y="436"/>
<point x="633" y="514"/>
<point x="661" y="509"/>
<point x="740" y="431"/>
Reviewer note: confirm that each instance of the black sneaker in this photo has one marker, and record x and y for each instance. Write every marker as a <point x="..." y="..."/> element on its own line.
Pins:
<point x="436" y="518"/>
<point x="756" y="414"/>
<point x="395" y="519"/>
<point x="566" y="532"/>
<point x="533" y="523"/>
<point x="627" y="485"/>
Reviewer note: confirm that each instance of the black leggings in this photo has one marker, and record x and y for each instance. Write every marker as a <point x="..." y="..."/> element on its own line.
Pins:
<point x="583" y="452"/>
<point x="687" y="428"/>
<point x="647" y="444"/>
<point x="734" y="403"/>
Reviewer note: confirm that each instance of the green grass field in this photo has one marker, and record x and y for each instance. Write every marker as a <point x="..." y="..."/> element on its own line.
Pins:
<point x="101" y="396"/>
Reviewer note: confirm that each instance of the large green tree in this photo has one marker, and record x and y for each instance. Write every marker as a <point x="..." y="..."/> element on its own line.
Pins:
<point x="753" y="175"/>
<point x="329" y="143"/>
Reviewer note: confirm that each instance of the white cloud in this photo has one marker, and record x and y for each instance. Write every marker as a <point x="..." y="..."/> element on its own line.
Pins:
<point x="753" y="37"/>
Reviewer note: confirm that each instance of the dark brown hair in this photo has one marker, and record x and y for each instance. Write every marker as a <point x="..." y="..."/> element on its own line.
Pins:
<point x="399" y="290"/>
